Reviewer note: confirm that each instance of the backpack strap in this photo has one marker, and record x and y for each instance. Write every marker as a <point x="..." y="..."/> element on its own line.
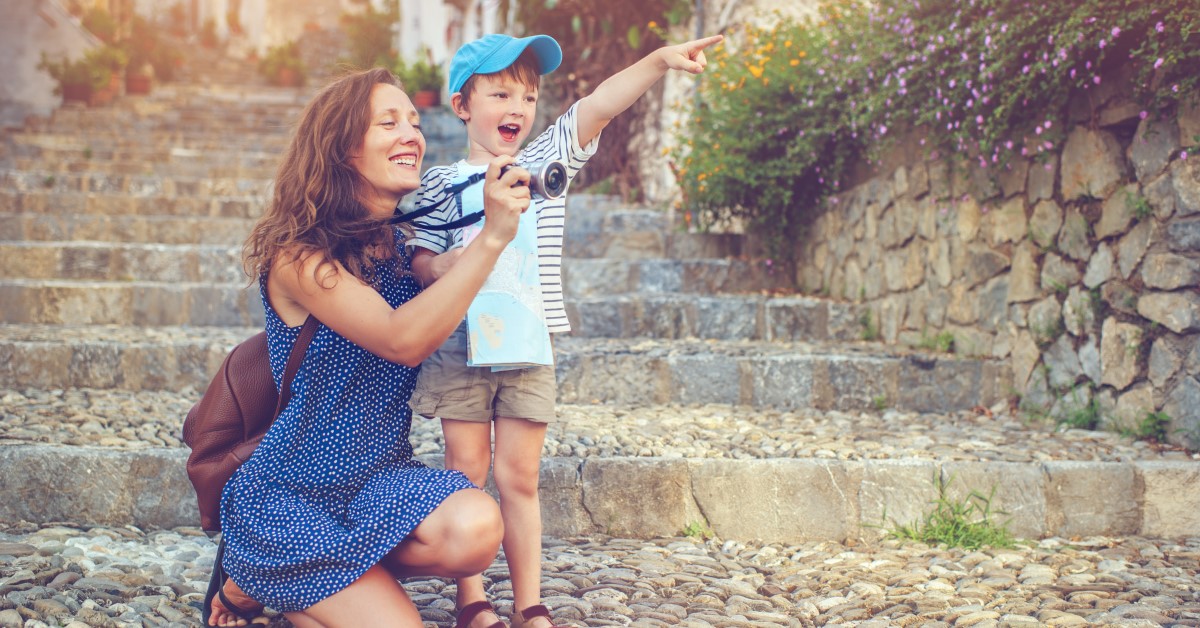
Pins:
<point x="294" y="359"/>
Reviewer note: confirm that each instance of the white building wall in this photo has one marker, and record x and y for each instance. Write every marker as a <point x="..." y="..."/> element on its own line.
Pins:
<point x="28" y="29"/>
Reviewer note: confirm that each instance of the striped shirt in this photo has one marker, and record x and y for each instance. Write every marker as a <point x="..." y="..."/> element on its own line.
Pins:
<point x="559" y="142"/>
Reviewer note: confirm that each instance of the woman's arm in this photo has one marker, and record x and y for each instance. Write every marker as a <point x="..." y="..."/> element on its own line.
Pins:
<point x="410" y="333"/>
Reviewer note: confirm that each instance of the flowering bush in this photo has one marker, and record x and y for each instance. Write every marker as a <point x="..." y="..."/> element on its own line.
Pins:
<point x="784" y="111"/>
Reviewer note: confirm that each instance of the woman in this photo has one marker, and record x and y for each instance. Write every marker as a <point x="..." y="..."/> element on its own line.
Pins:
<point x="331" y="509"/>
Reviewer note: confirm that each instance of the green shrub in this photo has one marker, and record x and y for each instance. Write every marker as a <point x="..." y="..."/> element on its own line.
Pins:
<point x="100" y="23"/>
<point x="420" y="75"/>
<point x="93" y="70"/>
<point x="783" y="110"/>
<point x="280" y="61"/>
<point x="369" y="34"/>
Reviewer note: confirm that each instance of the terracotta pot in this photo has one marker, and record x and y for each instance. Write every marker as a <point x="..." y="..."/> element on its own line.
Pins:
<point x="106" y="94"/>
<point x="137" y="84"/>
<point x="76" y="93"/>
<point x="425" y="99"/>
<point x="288" y="78"/>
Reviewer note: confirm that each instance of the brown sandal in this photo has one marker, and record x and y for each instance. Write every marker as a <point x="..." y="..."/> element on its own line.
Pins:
<point x="467" y="614"/>
<point x="522" y="617"/>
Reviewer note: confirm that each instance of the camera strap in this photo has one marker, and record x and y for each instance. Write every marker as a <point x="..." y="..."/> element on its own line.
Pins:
<point x="453" y="192"/>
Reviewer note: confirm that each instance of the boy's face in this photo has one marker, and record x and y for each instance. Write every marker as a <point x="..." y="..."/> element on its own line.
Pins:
<point x="499" y="116"/>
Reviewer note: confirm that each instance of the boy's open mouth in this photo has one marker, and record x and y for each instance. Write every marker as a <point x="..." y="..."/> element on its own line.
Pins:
<point x="509" y="131"/>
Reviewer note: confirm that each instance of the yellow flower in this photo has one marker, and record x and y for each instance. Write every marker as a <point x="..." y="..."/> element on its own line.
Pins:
<point x="803" y="53"/>
<point x="795" y="62"/>
<point x="787" y="44"/>
<point x="653" y="24"/>
<point x="755" y="70"/>
<point x="702" y="176"/>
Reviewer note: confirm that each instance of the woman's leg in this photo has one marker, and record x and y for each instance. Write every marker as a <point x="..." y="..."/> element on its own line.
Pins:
<point x="459" y="538"/>
<point x="375" y="599"/>
<point x="221" y="615"/>
<point x="517" y="466"/>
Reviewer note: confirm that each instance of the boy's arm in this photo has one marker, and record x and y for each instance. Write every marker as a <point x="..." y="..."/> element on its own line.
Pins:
<point x="622" y="89"/>
<point x="428" y="266"/>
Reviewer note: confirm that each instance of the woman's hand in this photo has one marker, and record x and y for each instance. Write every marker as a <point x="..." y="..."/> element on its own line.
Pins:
<point x="505" y="197"/>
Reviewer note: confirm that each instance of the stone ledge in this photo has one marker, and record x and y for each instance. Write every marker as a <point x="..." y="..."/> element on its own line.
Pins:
<point x="781" y="500"/>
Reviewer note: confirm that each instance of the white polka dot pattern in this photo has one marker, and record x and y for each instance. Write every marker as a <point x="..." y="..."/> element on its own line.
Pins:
<point x="333" y="486"/>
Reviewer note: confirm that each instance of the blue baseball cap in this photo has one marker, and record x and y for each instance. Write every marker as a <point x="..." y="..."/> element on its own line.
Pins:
<point x="492" y="53"/>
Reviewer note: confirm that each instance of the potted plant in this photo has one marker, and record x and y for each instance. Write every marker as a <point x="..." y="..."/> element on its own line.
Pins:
<point x="282" y="65"/>
<point x="423" y="80"/>
<point x="78" y="80"/>
<point x="113" y="59"/>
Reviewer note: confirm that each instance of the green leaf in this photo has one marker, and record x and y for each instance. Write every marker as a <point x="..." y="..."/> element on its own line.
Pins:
<point x="634" y="37"/>
<point x="550" y="4"/>
<point x="576" y="24"/>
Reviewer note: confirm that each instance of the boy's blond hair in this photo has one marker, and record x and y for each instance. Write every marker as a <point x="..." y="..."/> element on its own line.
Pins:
<point x="524" y="70"/>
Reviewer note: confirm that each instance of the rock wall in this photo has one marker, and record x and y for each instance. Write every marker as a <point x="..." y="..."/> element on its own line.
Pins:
<point x="1080" y="267"/>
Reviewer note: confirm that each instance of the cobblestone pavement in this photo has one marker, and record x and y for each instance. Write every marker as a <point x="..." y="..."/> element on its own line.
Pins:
<point x="62" y="575"/>
<point x="110" y="418"/>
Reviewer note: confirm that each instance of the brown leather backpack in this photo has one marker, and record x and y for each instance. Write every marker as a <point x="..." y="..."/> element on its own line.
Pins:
<point x="237" y="409"/>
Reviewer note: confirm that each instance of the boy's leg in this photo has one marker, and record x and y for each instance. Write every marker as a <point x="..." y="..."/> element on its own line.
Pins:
<point x="469" y="449"/>
<point x="517" y="465"/>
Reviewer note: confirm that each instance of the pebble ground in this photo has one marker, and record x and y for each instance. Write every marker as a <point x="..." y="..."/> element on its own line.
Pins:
<point x="64" y="574"/>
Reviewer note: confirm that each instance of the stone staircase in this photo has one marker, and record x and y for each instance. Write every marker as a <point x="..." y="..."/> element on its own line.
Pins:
<point x="120" y="237"/>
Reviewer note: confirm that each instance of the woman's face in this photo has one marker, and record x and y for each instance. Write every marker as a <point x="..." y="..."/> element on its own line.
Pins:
<point x="389" y="157"/>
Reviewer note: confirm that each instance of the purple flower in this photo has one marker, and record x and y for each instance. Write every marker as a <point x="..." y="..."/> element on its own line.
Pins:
<point x="1103" y="43"/>
<point x="1096" y="80"/>
<point x="1143" y="115"/>
<point x="1183" y="155"/>
<point x="1116" y="31"/>
<point x="1159" y="27"/>
<point x="1158" y="63"/>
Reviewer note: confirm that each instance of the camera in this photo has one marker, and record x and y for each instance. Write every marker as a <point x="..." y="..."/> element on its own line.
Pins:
<point x="547" y="179"/>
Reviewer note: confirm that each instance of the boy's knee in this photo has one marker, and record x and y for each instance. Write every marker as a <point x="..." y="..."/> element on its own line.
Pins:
<point x="517" y="478"/>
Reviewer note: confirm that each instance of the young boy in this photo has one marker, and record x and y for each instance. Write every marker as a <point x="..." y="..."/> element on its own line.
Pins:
<point x="494" y="91"/>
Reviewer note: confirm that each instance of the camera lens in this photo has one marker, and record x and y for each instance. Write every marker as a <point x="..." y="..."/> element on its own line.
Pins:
<point x="555" y="179"/>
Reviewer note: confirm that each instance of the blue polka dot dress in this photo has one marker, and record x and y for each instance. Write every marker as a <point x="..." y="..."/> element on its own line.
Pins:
<point x="333" y="486"/>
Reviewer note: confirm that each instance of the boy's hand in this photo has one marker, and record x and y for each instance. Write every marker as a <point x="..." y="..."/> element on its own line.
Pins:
<point x="689" y="56"/>
<point x="505" y="197"/>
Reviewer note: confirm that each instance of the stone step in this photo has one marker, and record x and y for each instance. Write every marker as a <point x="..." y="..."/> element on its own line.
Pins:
<point x="80" y="156"/>
<point x="151" y="203"/>
<point x="133" y="184"/>
<point x="216" y="166"/>
<point x="596" y="277"/>
<point x="643" y="471"/>
<point x="140" y="303"/>
<point x="718" y="317"/>
<point x="842" y="376"/>
<point x="124" y="228"/>
<point x="115" y="140"/>
<point x="105" y="261"/>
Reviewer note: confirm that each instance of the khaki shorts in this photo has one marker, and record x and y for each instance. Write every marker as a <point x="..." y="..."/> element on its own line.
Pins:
<point x="449" y="389"/>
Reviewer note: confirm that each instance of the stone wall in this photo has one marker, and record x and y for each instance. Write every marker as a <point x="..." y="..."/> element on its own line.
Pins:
<point x="1081" y="268"/>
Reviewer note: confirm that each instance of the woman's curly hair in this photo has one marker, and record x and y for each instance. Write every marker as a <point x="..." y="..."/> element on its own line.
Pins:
<point x="316" y="209"/>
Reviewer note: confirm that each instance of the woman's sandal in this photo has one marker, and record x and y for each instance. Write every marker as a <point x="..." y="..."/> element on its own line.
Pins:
<point x="521" y="618"/>
<point x="216" y="589"/>
<point x="467" y="614"/>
